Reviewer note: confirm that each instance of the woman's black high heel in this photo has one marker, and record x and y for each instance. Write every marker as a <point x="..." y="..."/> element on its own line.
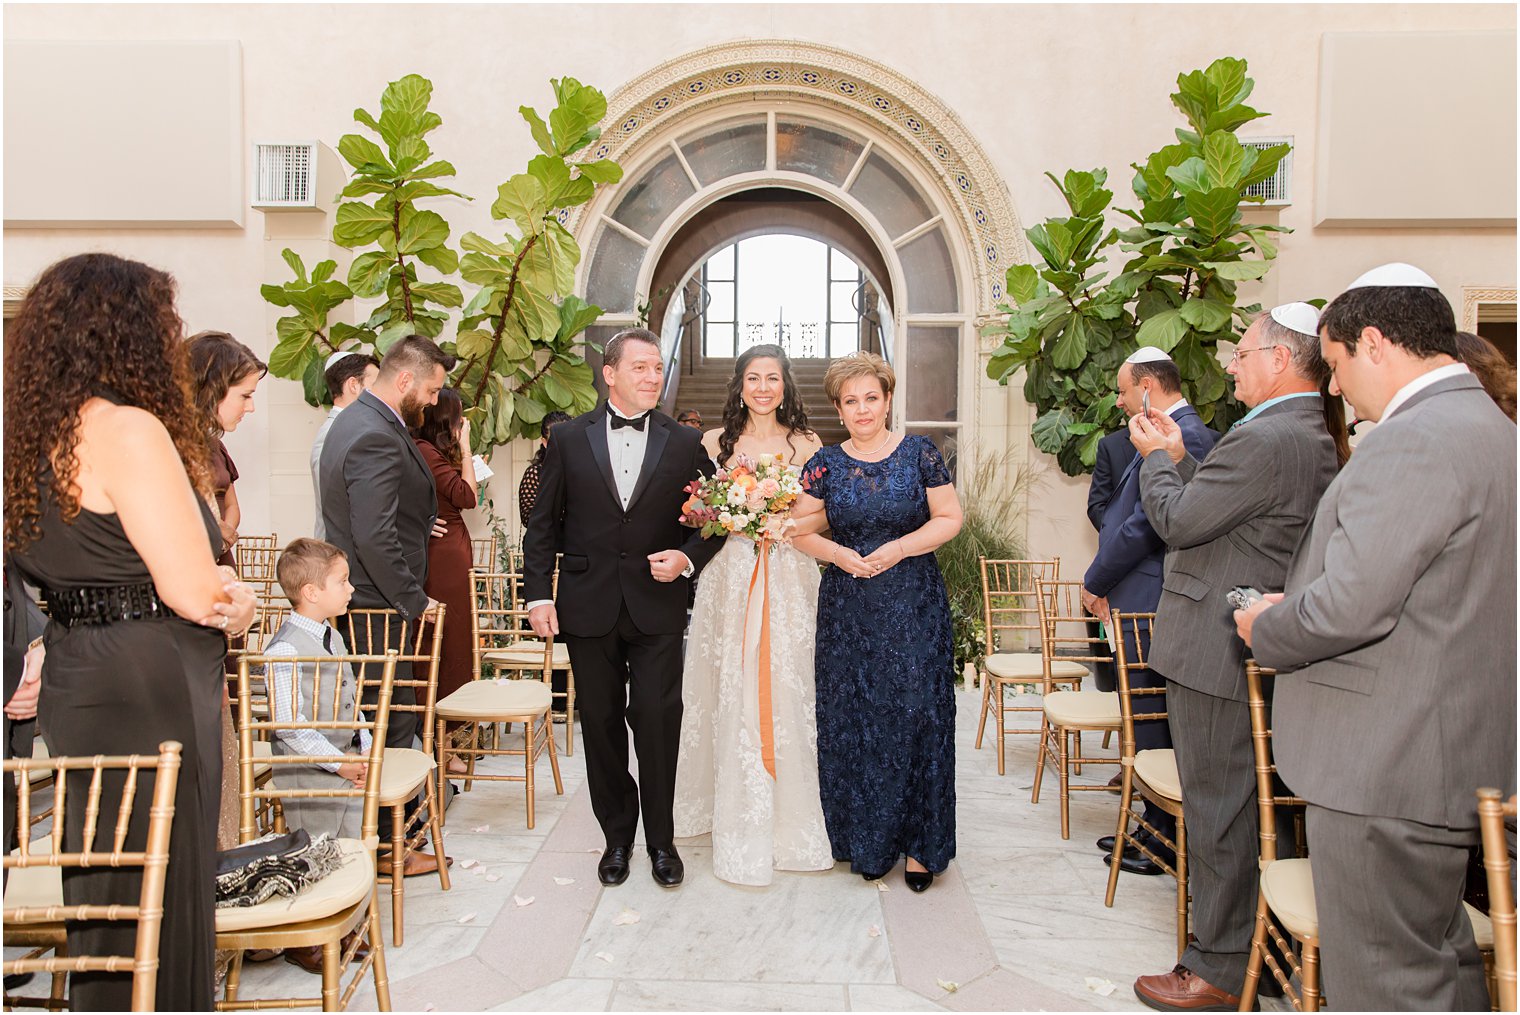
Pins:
<point x="918" y="881"/>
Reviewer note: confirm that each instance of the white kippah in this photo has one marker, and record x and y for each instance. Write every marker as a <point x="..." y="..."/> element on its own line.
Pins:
<point x="1148" y="354"/>
<point x="337" y="356"/>
<point x="1396" y="274"/>
<point x="1299" y="317"/>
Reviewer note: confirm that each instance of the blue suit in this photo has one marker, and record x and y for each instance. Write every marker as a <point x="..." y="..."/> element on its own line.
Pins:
<point x="1128" y="572"/>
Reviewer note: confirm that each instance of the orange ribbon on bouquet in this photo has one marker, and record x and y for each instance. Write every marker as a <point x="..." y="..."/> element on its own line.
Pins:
<point x="767" y="730"/>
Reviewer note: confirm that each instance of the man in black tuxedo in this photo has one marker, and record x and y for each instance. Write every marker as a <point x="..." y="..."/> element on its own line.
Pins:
<point x="612" y="485"/>
<point x="1115" y="452"/>
<point x="379" y="505"/>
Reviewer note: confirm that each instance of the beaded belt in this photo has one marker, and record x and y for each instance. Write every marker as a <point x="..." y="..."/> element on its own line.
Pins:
<point x="105" y="604"/>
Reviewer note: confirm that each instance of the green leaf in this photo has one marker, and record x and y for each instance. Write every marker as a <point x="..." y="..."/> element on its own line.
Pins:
<point x="294" y="261"/>
<point x="575" y="316"/>
<point x="274" y="294"/>
<point x="421" y="188"/>
<point x="524" y="200"/>
<point x="1071" y="348"/>
<point x="1163" y="331"/>
<point x="369" y="121"/>
<point x="1263" y="242"/>
<point x="1049" y="431"/>
<point x="1022" y="281"/>
<point x="1228" y="81"/>
<point x="369" y="272"/>
<point x="1267" y="160"/>
<point x="1191" y="176"/>
<point x="313" y="384"/>
<point x="539" y="129"/>
<point x="421" y="230"/>
<point x="440" y="259"/>
<point x="359" y="224"/>
<point x="479" y="244"/>
<point x="1206" y="315"/>
<point x="441" y="293"/>
<point x="364" y="155"/>
<point x="1215" y="212"/>
<point x="432" y="169"/>
<point x="1226" y="159"/>
<point x="323" y="271"/>
<point x="1239" y="271"/>
<point x="407" y="97"/>
<point x="473" y="344"/>
<point x="568" y="124"/>
<point x="288" y="357"/>
<point x="361" y="185"/>
<point x="484" y="269"/>
<point x="601" y="171"/>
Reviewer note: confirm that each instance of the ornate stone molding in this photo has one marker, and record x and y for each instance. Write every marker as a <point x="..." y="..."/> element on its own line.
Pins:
<point x="11" y="297"/>
<point x="1473" y="295"/>
<point x="646" y="108"/>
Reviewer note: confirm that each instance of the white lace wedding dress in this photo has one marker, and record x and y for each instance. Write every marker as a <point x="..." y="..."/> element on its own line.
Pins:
<point x="758" y="824"/>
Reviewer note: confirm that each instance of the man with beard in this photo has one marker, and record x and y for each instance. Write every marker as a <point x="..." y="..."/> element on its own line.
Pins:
<point x="379" y="505"/>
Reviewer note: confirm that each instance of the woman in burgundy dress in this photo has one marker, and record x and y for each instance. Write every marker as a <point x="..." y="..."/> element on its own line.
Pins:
<point x="225" y="373"/>
<point x="444" y="440"/>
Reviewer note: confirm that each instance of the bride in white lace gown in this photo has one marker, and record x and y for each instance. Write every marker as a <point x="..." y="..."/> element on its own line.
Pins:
<point x="758" y="824"/>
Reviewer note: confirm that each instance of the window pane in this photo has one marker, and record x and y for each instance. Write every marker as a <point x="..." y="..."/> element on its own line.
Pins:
<point x="822" y="153"/>
<point x="841" y="266"/>
<point x="614" y="270"/>
<point x="841" y="302"/>
<point x="721" y="305"/>
<point x="720" y="340"/>
<point x="930" y="274"/>
<point x="720" y="266"/>
<point x="715" y="154"/>
<point x="654" y="196"/>
<point x="948" y="442"/>
<point x="932" y="372"/>
<point x="885" y="190"/>
<point x="844" y="338"/>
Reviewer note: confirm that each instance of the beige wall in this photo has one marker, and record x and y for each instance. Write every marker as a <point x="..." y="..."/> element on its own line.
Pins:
<point x="1041" y="87"/>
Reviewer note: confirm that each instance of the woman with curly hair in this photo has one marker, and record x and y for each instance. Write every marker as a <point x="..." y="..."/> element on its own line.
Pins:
<point x="1494" y="372"/>
<point x="107" y="509"/>
<point x="443" y="438"/>
<point x="223" y="374"/>
<point x="763" y="813"/>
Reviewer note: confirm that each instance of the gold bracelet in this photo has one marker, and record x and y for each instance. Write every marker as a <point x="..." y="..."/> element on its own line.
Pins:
<point x="34" y="643"/>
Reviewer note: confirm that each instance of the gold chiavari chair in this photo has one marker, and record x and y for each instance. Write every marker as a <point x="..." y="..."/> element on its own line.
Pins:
<point x="1067" y="714"/>
<point x="484" y="553"/>
<point x="507" y="644"/>
<point x="256" y="557"/>
<point x="34" y="911"/>
<point x="1152" y="774"/>
<point x="346" y="901"/>
<point x="1011" y="619"/>
<point x="485" y="702"/>
<point x="1492" y="810"/>
<point x="407" y="770"/>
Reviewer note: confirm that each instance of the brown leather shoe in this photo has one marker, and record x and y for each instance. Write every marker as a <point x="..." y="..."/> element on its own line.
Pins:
<point x="310" y="959"/>
<point x="1182" y="990"/>
<point x="417" y="864"/>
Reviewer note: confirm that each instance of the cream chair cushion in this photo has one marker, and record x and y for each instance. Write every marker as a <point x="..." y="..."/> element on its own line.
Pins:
<point x="1159" y="770"/>
<point x="341" y="889"/>
<point x="1090" y="709"/>
<point x="1482" y="926"/>
<point x="1289" y="888"/>
<point x="1030" y="666"/>
<point x="36" y="775"/>
<point x="26" y="887"/>
<point x="528" y="653"/>
<point x="402" y="774"/>
<point x="496" y="700"/>
<point x="262" y="749"/>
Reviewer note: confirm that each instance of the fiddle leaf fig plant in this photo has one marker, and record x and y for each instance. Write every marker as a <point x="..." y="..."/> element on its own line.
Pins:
<point x="1072" y="320"/>
<point x="518" y="336"/>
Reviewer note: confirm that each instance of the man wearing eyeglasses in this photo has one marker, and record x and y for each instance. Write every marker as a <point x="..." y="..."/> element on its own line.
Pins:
<point x="1232" y="520"/>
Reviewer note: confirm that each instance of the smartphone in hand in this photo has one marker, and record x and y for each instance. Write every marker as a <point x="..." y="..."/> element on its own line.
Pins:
<point x="1242" y="596"/>
<point x="1145" y="404"/>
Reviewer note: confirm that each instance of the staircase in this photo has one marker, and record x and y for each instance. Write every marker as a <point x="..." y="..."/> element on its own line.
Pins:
<point x="706" y="388"/>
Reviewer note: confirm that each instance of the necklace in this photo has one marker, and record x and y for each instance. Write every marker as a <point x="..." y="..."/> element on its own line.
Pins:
<point x="877" y="448"/>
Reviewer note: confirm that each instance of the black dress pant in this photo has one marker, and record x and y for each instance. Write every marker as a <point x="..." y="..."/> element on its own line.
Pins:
<point x="626" y="679"/>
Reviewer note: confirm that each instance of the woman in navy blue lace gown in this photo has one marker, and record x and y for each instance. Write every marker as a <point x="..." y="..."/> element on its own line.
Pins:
<point x="883" y="663"/>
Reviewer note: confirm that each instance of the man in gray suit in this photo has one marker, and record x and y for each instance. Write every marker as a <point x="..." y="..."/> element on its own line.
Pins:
<point x="1395" y="646"/>
<point x="1233" y="520"/>
<point x="379" y="505"/>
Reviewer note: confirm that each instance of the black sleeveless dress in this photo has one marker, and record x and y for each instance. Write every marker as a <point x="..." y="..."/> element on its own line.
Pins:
<point x="123" y="688"/>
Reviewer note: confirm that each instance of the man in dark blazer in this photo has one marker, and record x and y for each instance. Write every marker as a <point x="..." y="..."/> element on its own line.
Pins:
<point x="612" y="485"/>
<point x="1233" y="520"/>
<point x="1115" y="452"/>
<point x="1395" y="646"/>
<point x="1125" y="576"/>
<point x="379" y="505"/>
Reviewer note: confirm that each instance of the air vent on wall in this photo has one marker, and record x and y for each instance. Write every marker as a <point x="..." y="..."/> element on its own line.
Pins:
<point x="285" y="175"/>
<point x="1276" y="189"/>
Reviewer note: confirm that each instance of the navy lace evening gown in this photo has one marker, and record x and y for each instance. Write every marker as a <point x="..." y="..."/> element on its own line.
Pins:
<point x="884" y="670"/>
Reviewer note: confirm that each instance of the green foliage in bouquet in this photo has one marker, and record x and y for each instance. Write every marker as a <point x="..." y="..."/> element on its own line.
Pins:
<point x="1073" y="322"/>
<point x="518" y="337"/>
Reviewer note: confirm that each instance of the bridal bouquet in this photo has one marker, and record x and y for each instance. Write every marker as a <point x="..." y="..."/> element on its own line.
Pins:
<point x="750" y="498"/>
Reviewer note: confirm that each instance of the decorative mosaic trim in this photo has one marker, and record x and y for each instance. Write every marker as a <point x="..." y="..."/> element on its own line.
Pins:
<point x="647" y="107"/>
<point x="1473" y="295"/>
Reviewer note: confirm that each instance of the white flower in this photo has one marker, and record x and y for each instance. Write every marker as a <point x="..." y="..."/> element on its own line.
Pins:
<point x="741" y="521"/>
<point x="726" y="520"/>
<point x="736" y="495"/>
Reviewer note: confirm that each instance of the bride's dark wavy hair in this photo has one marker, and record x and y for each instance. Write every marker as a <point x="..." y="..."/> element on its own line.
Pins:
<point x="790" y="413"/>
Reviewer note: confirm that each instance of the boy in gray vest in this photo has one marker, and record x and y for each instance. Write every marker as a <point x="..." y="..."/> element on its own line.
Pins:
<point x="314" y="577"/>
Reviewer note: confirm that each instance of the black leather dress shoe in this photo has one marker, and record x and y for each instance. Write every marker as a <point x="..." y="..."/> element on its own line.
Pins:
<point x="612" y="869"/>
<point x="666" y="866"/>
<point x="919" y="881"/>
<point x="1137" y="864"/>
<point x="1106" y="845"/>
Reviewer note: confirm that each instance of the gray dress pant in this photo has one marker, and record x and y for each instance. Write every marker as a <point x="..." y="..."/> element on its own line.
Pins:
<point x="1394" y="935"/>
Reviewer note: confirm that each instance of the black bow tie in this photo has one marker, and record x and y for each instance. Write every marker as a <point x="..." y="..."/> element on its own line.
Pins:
<point x="637" y="422"/>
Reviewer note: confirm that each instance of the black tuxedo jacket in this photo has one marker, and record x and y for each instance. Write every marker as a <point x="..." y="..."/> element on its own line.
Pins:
<point x="606" y="549"/>
<point x="1115" y="452"/>
<point x="378" y="504"/>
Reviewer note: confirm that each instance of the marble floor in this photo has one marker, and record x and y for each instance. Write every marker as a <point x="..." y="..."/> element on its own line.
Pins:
<point x="1018" y="923"/>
